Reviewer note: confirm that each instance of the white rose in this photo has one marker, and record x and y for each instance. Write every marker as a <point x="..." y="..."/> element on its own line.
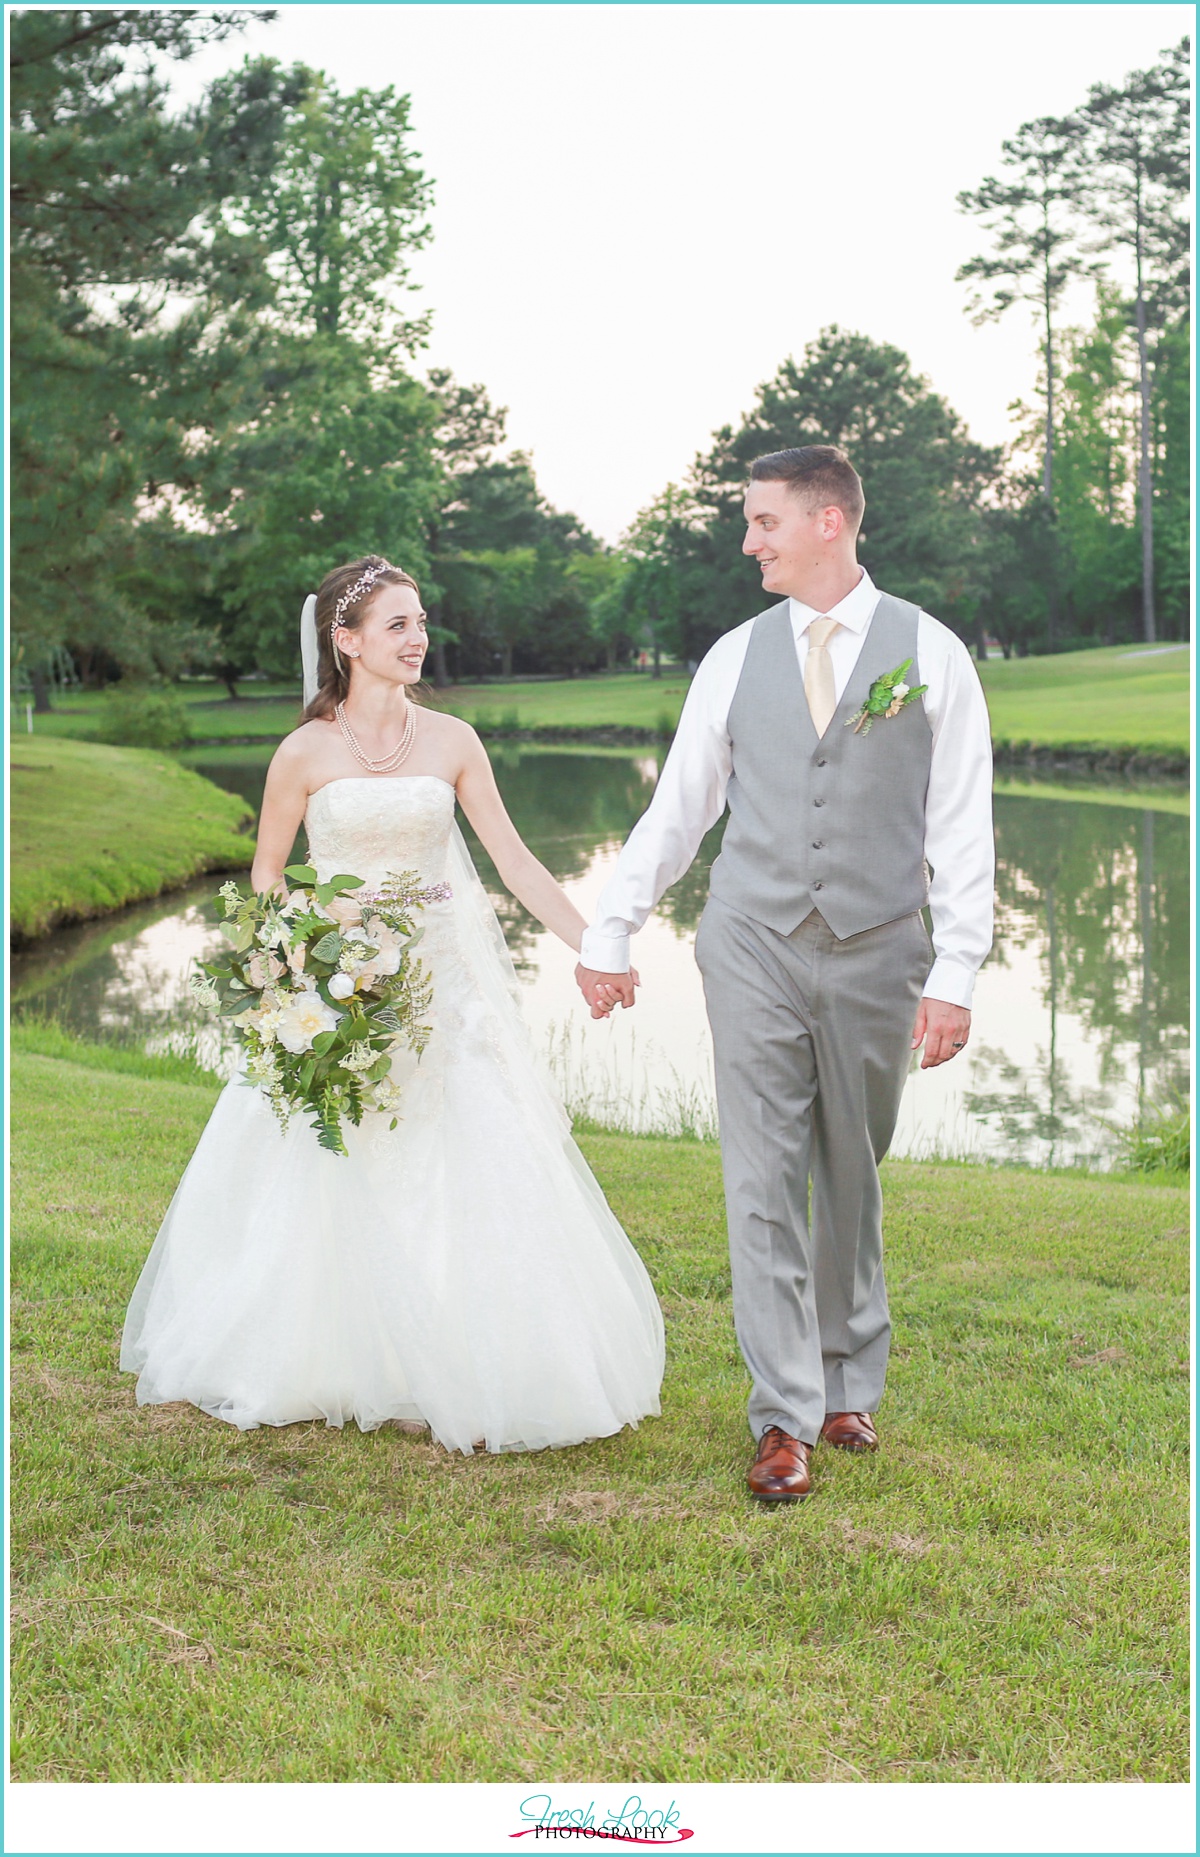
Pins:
<point x="900" y="691"/>
<point x="341" y="986"/>
<point x="304" y="1018"/>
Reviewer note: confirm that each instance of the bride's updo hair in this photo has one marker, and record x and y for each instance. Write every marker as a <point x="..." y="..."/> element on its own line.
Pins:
<point x="333" y="672"/>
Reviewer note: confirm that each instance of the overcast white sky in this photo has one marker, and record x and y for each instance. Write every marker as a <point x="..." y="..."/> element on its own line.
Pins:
<point x="641" y="210"/>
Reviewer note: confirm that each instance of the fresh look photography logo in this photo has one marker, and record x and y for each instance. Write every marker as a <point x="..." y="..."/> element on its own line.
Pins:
<point x="635" y="1822"/>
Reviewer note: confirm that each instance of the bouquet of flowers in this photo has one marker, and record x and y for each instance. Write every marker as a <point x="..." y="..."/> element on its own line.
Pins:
<point x="321" y="990"/>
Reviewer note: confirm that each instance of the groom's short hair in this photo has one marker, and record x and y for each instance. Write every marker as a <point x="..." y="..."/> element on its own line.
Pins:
<point x="819" y="475"/>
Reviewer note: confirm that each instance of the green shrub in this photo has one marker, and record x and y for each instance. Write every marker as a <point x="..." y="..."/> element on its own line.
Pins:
<point x="510" y="721"/>
<point x="664" y="728"/>
<point x="1162" y="1142"/>
<point x="136" y="714"/>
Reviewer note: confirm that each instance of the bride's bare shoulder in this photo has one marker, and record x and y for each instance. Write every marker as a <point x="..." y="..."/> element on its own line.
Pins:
<point x="304" y="747"/>
<point x="448" y="731"/>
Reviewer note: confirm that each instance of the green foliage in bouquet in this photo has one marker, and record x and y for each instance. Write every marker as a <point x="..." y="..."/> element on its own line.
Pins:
<point x="321" y="990"/>
<point x="887" y="696"/>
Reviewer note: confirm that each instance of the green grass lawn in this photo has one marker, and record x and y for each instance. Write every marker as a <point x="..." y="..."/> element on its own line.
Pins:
<point x="267" y="711"/>
<point x="1114" y="698"/>
<point x="1000" y="1595"/>
<point x="94" y="827"/>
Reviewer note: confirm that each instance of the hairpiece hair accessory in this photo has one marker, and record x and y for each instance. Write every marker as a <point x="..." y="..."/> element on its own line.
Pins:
<point x="355" y="591"/>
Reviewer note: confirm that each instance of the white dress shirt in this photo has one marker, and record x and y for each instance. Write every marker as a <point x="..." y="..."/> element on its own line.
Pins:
<point x="690" y="795"/>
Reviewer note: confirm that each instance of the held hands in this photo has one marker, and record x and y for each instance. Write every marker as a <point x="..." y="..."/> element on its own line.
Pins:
<point x="944" y="1028"/>
<point x="603" y="991"/>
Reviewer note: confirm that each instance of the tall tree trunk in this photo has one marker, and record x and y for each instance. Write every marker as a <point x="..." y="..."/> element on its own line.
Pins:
<point x="441" y="675"/>
<point x="1048" y="458"/>
<point x="1145" y="484"/>
<point x="1048" y="472"/>
<point x="41" y="691"/>
<point x="657" y="671"/>
<point x="506" y="661"/>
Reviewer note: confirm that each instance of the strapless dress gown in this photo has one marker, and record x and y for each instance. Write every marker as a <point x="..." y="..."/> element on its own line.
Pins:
<point x="462" y="1271"/>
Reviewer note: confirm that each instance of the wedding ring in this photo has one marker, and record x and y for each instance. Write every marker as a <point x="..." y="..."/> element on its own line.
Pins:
<point x="956" y="1044"/>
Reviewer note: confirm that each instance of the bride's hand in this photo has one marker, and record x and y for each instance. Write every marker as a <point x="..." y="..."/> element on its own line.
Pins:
<point x="603" y="991"/>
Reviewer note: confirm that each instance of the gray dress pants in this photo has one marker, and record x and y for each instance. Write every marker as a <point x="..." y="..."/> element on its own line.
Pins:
<point x="812" y="1040"/>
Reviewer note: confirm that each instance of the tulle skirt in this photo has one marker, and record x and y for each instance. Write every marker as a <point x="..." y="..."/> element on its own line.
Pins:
<point x="462" y="1271"/>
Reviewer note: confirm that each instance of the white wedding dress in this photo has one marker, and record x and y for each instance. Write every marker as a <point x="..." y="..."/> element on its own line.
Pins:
<point x="462" y="1271"/>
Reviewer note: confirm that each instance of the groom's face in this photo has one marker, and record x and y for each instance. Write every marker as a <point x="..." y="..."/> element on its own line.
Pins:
<point x="786" y="536"/>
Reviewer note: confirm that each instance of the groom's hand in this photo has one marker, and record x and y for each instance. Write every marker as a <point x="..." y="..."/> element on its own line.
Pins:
<point x="944" y="1028"/>
<point x="603" y="991"/>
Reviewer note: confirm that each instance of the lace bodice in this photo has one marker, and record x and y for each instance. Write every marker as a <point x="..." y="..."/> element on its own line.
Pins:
<point x="369" y="826"/>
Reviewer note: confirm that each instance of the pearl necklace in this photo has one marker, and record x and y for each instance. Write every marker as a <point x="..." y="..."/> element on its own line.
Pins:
<point x="386" y="762"/>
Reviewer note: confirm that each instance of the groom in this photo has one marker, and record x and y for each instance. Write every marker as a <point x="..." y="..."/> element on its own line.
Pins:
<point x="818" y="973"/>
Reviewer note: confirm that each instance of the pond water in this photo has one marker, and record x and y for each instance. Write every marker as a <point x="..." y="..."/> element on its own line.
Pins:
<point x="1081" y="1011"/>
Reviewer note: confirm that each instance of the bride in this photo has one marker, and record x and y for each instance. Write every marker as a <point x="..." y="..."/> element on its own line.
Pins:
<point x="462" y="1271"/>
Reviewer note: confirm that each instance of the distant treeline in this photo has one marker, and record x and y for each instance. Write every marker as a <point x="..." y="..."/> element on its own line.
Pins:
<point x="215" y="397"/>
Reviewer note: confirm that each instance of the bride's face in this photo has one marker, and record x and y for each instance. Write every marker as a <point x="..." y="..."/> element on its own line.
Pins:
<point x="390" y="642"/>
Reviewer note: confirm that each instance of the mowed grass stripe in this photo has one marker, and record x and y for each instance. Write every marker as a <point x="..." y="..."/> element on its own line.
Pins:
<point x="1119" y="696"/>
<point x="1000" y="1595"/>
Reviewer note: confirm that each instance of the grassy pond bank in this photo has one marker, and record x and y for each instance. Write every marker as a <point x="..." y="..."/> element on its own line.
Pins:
<point x="96" y="827"/>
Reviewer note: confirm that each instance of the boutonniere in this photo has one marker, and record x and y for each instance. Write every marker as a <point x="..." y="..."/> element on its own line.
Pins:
<point x="887" y="696"/>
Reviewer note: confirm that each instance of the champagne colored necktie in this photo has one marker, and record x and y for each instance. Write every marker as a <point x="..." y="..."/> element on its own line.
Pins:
<point x="818" y="674"/>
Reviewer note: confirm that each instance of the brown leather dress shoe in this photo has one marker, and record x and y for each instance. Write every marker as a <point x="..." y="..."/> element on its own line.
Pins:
<point x="780" y="1471"/>
<point x="850" y="1431"/>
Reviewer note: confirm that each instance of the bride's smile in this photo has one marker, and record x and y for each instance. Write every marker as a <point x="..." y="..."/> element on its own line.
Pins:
<point x="389" y="644"/>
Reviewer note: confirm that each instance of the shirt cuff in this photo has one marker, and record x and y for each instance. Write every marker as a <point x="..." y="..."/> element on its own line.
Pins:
<point x="605" y="954"/>
<point x="951" y="982"/>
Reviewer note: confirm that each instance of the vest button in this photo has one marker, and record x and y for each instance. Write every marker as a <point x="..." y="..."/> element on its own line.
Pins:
<point x="818" y="802"/>
<point x="818" y="844"/>
<point x="821" y="762"/>
<point x="818" y="886"/>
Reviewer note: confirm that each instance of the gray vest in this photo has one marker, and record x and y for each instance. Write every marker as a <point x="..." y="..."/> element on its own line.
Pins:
<point x="834" y="822"/>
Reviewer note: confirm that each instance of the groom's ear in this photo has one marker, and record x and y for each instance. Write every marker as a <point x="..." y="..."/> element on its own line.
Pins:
<point x="830" y="521"/>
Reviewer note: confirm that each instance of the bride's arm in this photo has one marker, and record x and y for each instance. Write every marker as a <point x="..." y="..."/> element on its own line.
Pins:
<point x="285" y="797"/>
<point x="520" y="872"/>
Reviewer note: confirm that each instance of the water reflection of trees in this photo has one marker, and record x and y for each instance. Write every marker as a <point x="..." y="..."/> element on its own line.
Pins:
<point x="1102" y="894"/>
<point x="1105" y="891"/>
<point x="566" y="807"/>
